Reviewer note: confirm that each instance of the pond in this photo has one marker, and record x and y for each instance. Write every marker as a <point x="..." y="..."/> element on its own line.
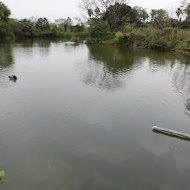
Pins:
<point x="80" y="117"/>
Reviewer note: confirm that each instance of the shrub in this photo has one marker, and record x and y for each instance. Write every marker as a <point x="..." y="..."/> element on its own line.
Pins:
<point x="75" y="39"/>
<point x="99" y="30"/>
<point x="128" y="28"/>
<point x="183" y="45"/>
<point x="124" y="39"/>
<point x="82" y="35"/>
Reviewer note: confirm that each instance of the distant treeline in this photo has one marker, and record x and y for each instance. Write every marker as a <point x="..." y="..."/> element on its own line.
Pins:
<point x="114" y="21"/>
<point x="110" y="21"/>
<point x="38" y="27"/>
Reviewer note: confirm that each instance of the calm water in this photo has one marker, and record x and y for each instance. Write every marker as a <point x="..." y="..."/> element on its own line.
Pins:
<point x="80" y="118"/>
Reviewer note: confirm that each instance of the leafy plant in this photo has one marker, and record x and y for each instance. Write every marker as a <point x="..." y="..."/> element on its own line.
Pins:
<point x="2" y="176"/>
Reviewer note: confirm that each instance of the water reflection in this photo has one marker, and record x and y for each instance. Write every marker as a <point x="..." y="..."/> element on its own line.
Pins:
<point x="116" y="60"/>
<point x="6" y="55"/>
<point x="57" y="133"/>
<point x="181" y="81"/>
<point x="30" y="43"/>
<point x="34" y="47"/>
<point x="6" y="63"/>
<point x="78" y="157"/>
<point x="106" y="67"/>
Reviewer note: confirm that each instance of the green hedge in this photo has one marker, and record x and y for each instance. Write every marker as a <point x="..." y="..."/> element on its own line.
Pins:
<point x="102" y="36"/>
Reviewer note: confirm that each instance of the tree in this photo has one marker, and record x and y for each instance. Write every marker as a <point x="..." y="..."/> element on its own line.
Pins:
<point x="96" y="8"/>
<point x="4" y="21"/>
<point x="78" y="28"/>
<point x="183" y="11"/>
<point x="4" y="12"/>
<point x="98" y="30"/>
<point x="60" y="23"/>
<point x="159" y="18"/>
<point x="26" y="27"/>
<point x="183" y="14"/>
<point x="185" y="7"/>
<point x="179" y="14"/>
<point x="118" y="15"/>
<point x="142" y="14"/>
<point x="65" y="24"/>
<point x="42" y="24"/>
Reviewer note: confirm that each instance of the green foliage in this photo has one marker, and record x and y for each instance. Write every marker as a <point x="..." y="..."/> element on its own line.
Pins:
<point x="142" y="14"/>
<point x="174" y="23"/>
<point x="64" y="35"/>
<point x="142" y="17"/>
<point x="110" y="23"/>
<point x="2" y="176"/>
<point x="42" y="24"/>
<point x="183" y="45"/>
<point x="82" y="35"/>
<point x="124" y="40"/>
<point x="5" y="32"/>
<point x="118" y="15"/>
<point x="78" y="28"/>
<point x="99" y="31"/>
<point x="64" y="24"/>
<point x="159" y="18"/>
<point x="4" y="12"/>
<point x="128" y="28"/>
<point x="118" y="35"/>
<point x="26" y="28"/>
<point x="185" y="24"/>
<point x="183" y="10"/>
<point x="168" y="38"/>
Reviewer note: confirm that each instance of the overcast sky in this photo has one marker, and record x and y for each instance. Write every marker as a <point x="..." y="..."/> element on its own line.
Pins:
<point x="53" y="9"/>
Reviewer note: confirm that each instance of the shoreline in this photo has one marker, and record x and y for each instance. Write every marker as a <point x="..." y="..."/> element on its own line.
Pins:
<point x="187" y="53"/>
<point x="184" y="52"/>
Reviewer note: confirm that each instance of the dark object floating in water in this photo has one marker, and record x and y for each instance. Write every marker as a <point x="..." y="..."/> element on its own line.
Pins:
<point x="13" y="77"/>
<point x="171" y="133"/>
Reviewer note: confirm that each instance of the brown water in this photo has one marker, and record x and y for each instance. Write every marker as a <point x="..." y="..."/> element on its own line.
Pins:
<point x="80" y="118"/>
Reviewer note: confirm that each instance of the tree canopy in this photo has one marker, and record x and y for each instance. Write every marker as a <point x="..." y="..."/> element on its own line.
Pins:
<point x="4" y="12"/>
<point x="4" y="21"/>
<point x="159" y="18"/>
<point x="118" y="15"/>
<point x="42" y="24"/>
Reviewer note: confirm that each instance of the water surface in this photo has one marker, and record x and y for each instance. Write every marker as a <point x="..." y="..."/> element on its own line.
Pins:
<point x="79" y="117"/>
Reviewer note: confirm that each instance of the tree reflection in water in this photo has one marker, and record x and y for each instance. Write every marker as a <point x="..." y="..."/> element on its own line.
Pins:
<point x="181" y="81"/>
<point x="6" y="55"/>
<point x="106" y="67"/>
<point x="56" y="147"/>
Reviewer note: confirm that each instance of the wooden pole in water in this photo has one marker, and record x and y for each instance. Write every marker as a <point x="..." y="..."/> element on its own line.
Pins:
<point x="171" y="133"/>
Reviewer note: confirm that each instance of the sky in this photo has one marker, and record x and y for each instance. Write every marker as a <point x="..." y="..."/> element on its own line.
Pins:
<point x="53" y="9"/>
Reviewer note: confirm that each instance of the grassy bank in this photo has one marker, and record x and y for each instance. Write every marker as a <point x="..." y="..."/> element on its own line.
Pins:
<point x="151" y="38"/>
<point x="168" y="38"/>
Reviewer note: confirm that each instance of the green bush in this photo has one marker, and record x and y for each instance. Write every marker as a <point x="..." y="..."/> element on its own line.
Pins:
<point x="128" y="28"/>
<point x="64" y="35"/>
<point x="82" y="35"/>
<point x="118" y="35"/>
<point x="99" y="30"/>
<point x="183" y="45"/>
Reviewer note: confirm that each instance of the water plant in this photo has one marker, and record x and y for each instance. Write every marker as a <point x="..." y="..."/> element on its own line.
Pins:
<point x="2" y="176"/>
